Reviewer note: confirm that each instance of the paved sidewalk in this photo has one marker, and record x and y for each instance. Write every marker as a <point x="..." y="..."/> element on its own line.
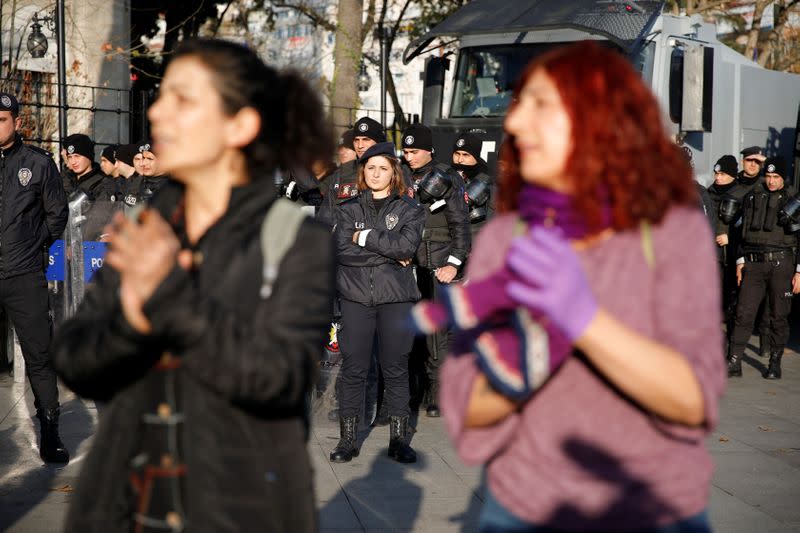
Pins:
<point x="756" y="449"/>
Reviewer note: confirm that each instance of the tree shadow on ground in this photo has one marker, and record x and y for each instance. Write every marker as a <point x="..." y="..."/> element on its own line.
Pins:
<point x="22" y="493"/>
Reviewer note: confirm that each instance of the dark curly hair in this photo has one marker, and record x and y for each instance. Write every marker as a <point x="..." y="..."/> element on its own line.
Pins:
<point x="620" y="148"/>
<point x="294" y="132"/>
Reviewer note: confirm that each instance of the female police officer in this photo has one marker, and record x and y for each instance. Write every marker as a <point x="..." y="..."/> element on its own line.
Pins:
<point x="377" y="233"/>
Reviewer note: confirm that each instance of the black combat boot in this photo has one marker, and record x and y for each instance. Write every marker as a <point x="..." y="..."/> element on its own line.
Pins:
<point x="382" y="418"/>
<point x="51" y="449"/>
<point x="399" y="436"/>
<point x="734" y="366"/>
<point x="763" y="345"/>
<point x="346" y="449"/>
<point x="432" y="410"/>
<point x="774" y="369"/>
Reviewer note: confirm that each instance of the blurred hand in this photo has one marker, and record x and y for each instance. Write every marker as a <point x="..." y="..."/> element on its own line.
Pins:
<point x="405" y="262"/>
<point x="796" y="283"/>
<point x="143" y="253"/>
<point x="739" y="271"/>
<point x="446" y="274"/>
<point x="355" y="237"/>
<point x="551" y="280"/>
<point x="722" y="240"/>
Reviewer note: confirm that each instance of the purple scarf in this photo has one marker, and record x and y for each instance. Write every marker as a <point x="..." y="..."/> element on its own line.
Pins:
<point x="540" y="206"/>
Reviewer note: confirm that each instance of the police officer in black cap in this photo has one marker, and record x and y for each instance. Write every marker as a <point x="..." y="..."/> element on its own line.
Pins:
<point x="342" y="184"/>
<point x="446" y="239"/>
<point x="107" y="160"/>
<point x="726" y="196"/>
<point x="752" y="160"/>
<point x="88" y="176"/>
<point x="468" y="162"/>
<point x="33" y="214"/>
<point x="768" y="266"/>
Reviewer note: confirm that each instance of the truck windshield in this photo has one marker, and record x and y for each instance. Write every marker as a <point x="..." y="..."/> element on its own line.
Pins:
<point x="486" y="76"/>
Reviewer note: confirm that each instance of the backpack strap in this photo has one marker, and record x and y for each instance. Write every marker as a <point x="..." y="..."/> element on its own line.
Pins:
<point x="647" y="243"/>
<point x="278" y="234"/>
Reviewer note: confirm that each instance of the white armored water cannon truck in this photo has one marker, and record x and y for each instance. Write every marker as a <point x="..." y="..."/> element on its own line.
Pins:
<point x="715" y="100"/>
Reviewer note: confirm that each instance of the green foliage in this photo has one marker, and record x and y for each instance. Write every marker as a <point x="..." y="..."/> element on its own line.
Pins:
<point x="432" y="12"/>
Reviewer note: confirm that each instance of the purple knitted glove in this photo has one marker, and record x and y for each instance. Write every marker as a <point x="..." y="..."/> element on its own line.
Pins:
<point x="550" y="281"/>
<point x="520" y="357"/>
<point x="472" y="303"/>
<point x="464" y="306"/>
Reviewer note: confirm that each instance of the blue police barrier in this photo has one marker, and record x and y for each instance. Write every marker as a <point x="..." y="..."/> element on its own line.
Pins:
<point x="55" y="263"/>
<point x="93" y="254"/>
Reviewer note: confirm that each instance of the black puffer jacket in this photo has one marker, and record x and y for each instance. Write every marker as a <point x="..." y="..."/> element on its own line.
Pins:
<point x="372" y="274"/>
<point x="33" y="208"/>
<point x="226" y="368"/>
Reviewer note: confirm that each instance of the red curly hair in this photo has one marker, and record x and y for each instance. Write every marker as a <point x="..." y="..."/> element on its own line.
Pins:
<point x="620" y="147"/>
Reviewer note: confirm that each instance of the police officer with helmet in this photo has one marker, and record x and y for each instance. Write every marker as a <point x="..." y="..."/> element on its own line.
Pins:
<point x="478" y="184"/>
<point x="33" y="214"/>
<point x="767" y="266"/>
<point x="446" y="239"/>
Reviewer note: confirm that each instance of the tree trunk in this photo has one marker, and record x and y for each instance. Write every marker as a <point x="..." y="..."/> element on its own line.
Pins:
<point x="755" y="30"/>
<point x="346" y="60"/>
<point x="768" y="58"/>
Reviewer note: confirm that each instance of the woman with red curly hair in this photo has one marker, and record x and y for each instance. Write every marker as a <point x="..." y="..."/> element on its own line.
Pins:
<point x="589" y="363"/>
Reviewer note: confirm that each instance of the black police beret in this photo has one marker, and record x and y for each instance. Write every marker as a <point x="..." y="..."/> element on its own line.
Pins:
<point x="367" y="127"/>
<point x="108" y="152"/>
<point x="125" y="153"/>
<point x="80" y="144"/>
<point x="775" y="165"/>
<point x="385" y="149"/>
<point x="8" y="102"/>
<point x="728" y="165"/>
<point x="754" y="151"/>
<point x="470" y="143"/>
<point x="418" y="136"/>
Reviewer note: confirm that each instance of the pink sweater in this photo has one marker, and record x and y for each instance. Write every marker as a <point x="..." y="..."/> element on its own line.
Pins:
<point x="580" y="455"/>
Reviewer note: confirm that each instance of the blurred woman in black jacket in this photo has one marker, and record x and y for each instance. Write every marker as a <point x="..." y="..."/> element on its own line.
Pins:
<point x="377" y="234"/>
<point x="205" y="371"/>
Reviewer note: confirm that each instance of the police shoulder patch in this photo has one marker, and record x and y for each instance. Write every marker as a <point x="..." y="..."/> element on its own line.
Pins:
<point x="39" y="151"/>
<point x="391" y="220"/>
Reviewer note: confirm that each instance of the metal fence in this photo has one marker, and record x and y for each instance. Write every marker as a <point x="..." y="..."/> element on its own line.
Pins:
<point x="112" y="116"/>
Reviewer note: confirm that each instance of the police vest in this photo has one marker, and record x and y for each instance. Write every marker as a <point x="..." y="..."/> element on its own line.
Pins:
<point x="761" y="227"/>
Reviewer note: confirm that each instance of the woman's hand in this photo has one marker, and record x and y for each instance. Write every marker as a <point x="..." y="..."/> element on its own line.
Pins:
<point x="486" y="406"/>
<point x="355" y="236"/>
<point x="143" y="253"/>
<point x="405" y="262"/>
<point x="446" y="274"/>
<point x="551" y="281"/>
<point x="722" y="240"/>
<point x="739" y="273"/>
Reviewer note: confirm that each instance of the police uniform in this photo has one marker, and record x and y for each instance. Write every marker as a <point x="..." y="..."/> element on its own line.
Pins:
<point x="479" y="185"/>
<point x="342" y="184"/>
<point x="137" y="190"/>
<point x="725" y="211"/>
<point x="748" y="182"/>
<point x="376" y="294"/>
<point x="33" y="214"/>
<point x="446" y="241"/>
<point x="768" y="252"/>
